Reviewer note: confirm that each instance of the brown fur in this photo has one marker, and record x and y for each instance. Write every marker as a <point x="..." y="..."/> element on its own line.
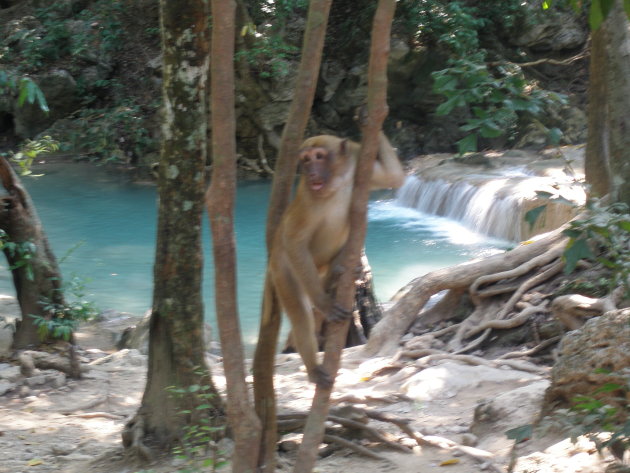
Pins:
<point x="312" y="232"/>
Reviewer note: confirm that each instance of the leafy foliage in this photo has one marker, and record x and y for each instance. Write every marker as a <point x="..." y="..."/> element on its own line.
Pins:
<point x="21" y="252"/>
<point x="598" y="10"/>
<point x="491" y="99"/>
<point x="197" y="448"/>
<point x="116" y="134"/>
<point x="267" y="50"/>
<point x="30" y="150"/>
<point x="66" y="317"/>
<point x="27" y="89"/>
<point x="603" y="235"/>
<point x="592" y="416"/>
<point x="58" y="38"/>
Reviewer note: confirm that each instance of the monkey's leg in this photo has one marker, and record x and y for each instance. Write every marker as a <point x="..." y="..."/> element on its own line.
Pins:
<point x="297" y="307"/>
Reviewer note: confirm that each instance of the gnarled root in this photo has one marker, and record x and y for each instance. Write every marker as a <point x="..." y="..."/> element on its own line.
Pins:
<point x="508" y="270"/>
<point x="132" y="436"/>
<point x="572" y="310"/>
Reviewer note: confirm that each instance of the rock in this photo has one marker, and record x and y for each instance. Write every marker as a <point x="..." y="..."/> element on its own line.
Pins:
<point x="9" y="372"/>
<point x="6" y="386"/>
<point x="61" y="449"/>
<point x="512" y="409"/>
<point x="555" y="31"/>
<point x="9" y="312"/>
<point x="36" y="380"/>
<point x="60" y="90"/>
<point x="447" y="379"/>
<point x="470" y="440"/>
<point x="596" y="354"/>
<point x="56" y="379"/>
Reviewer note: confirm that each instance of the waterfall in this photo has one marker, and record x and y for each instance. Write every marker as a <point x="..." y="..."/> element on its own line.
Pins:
<point x="492" y="205"/>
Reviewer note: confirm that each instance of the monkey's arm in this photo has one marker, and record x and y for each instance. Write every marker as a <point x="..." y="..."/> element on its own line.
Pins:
<point x="388" y="171"/>
<point x="296" y="237"/>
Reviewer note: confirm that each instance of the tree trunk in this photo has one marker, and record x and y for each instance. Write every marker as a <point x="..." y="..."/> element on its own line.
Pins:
<point x="292" y="136"/>
<point x="176" y="353"/>
<point x="377" y="110"/>
<point x="220" y="203"/>
<point x="39" y="280"/>
<point x="606" y="162"/>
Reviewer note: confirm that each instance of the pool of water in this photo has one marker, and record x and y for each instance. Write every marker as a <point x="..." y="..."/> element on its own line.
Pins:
<point x="102" y="227"/>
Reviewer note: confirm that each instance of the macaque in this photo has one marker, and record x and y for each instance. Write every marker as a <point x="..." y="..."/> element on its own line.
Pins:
<point x="312" y="232"/>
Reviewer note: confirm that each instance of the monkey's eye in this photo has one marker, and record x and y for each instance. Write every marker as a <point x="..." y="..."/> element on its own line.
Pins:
<point x="319" y="155"/>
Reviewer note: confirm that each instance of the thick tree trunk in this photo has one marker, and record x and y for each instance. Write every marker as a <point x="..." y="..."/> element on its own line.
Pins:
<point x="38" y="281"/>
<point x="607" y="162"/>
<point x="292" y="137"/>
<point x="220" y="203"/>
<point x="335" y="339"/>
<point x="176" y="353"/>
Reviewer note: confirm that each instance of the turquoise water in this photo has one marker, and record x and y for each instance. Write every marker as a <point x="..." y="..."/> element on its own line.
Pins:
<point x="108" y="224"/>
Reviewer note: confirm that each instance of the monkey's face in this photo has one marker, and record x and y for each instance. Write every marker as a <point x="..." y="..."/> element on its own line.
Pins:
<point x="316" y="165"/>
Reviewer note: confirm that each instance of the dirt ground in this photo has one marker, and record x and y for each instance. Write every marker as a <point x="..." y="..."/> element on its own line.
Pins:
<point x="75" y="427"/>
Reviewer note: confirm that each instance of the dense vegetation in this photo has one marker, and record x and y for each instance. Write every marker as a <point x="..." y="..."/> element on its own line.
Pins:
<point x="98" y="63"/>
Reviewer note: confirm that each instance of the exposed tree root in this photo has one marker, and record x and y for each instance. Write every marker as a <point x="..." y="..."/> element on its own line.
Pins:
<point x="94" y="415"/>
<point x="531" y="351"/>
<point x="355" y="421"/>
<point x="132" y="439"/>
<point x="330" y="438"/>
<point x="30" y="359"/>
<point x="88" y="405"/>
<point x="488" y="282"/>
<point x="573" y="309"/>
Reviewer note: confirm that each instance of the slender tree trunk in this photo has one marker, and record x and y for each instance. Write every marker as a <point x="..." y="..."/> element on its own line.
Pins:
<point x="377" y="111"/>
<point x="607" y="161"/>
<point x="220" y="203"/>
<point x="39" y="280"/>
<point x="292" y="137"/>
<point x="176" y="349"/>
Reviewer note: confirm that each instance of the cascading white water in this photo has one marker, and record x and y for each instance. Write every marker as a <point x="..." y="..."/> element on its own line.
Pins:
<point x="492" y="205"/>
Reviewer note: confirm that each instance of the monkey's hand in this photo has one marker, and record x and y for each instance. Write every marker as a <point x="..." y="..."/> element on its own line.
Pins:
<point x="321" y="378"/>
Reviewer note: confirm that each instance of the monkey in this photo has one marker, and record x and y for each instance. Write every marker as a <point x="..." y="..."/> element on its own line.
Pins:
<point x="312" y="232"/>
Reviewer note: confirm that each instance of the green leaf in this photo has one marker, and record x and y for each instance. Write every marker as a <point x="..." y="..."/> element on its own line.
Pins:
<point x="445" y="83"/>
<point x="532" y="215"/>
<point x="576" y="250"/>
<point x="606" y="7"/>
<point x="546" y="4"/>
<point x="626" y="7"/>
<point x="467" y="144"/>
<point x="490" y="130"/>
<point x="555" y="135"/>
<point x="607" y="388"/>
<point x="448" y="106"/>
<point x="22" y="96"/>
<point x="595" y="16"/>
<point x="520" y="434"/>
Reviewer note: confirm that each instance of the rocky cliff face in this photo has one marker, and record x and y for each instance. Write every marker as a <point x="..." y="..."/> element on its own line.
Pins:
<point x="98" y="63"/>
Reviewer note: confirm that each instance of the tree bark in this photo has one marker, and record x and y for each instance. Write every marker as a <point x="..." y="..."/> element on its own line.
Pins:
<point x="176" y="353"/>
<point x="606" y="163"/>
<point x="335" y="339"/>
<point x="40" y="280"/>
<point x="292" y="137"/>
<point x="220" y="203"/>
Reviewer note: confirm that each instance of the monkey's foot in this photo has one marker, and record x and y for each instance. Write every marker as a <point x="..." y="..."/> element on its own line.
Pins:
<point x="338" y="314"/>
<point x="321" y="378"/>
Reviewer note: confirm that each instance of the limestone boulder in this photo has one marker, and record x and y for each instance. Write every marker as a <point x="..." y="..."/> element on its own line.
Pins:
<point x="595" y="355"/>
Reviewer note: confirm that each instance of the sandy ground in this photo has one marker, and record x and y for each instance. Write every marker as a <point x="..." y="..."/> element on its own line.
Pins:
<point x="76" y="426"/>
